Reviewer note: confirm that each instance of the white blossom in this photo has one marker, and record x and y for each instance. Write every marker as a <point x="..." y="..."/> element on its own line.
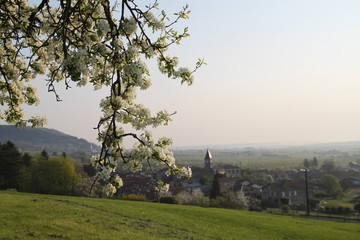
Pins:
<point x="110" y="190"/>
<point x="38" y="121"/>
<point x="130" y="26"/>
<point x="185" y="75"/>
<point x="118" y="43"/>
<point x="103" y="26"/>
<point x="162" y="190"/>
<point x="94" y="160"/>
<point x="98" y="47"/>
<point x="117" y="181"/>
<point x="185" y="172"/>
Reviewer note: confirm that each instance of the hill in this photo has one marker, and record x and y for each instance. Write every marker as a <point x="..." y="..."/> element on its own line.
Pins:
<point x="34" y="216"/>
<point x="34" y="140"/>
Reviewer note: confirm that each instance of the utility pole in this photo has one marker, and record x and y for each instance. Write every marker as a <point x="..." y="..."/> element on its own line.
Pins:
<point x="306" y="191"/>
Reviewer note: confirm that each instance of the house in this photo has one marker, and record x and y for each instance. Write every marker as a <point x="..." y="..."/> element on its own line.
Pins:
<point x="227" y="184"/>
<point x="190" y="186"/>
<point x="138" y="184"/>
<point x="249" y="189"/>
<point x="354" y="166"/>
<point x="231" y="171"/>
<point x="355" y="181"/>
<point x="295" y="191"/>
<point x="246" y="186"/>
<point x="256" y="189"/>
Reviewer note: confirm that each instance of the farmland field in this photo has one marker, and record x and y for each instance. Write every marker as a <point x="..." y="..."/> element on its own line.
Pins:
<point x="284" y="158"/>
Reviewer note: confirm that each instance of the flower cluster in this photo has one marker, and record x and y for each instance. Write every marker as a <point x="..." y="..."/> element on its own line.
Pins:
<point x="129" y="26"/>
<point x="106" y="173"/>
<point x="112" y="186"/>
<point x="162" y="189"/>
<point x="110" y="190"/>
<point x="102" y="44"/>
<point x="153" y="22"/>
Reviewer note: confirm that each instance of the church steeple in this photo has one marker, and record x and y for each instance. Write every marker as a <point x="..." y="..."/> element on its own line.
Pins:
<point x="208" y="159"/>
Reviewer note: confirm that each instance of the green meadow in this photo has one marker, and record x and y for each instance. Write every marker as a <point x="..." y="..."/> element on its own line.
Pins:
<point x="34" y="216"/>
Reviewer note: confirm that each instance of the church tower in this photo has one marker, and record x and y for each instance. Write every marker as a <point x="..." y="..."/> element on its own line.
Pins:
<point x="208" y="160"/>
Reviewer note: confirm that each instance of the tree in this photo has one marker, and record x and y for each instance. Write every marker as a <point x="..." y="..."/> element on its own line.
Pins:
<point x="45" y="154"/>
<point x="306" y="163"/>
<point x="241" y="200"/>
<point x="10" y="166"/>
<point x="102" y="43"/>
<point x="331" y="185"/>
<point x="89" y="170"/>
<point x="215" y="188"/>
<point x="55" y="175"/>
<point x="314" y="163"/>
<point x="26" y="158"/>
<point x="346" y="183"/>
<point x="328" y="166"/>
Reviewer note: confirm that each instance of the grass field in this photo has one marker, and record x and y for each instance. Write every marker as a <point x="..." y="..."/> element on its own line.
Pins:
<point x="32" y="216"/>
<point x="350" y="197"/>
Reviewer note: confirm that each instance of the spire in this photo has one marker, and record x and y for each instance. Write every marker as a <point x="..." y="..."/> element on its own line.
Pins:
<point x="208" y="154"/>
<point x="208" y="161"/>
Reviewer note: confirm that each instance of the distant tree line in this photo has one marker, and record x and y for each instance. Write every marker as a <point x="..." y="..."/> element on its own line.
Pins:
<point x="311" y="163"/>
<point x="40" y="173"/>
<point x="327" y="166"/>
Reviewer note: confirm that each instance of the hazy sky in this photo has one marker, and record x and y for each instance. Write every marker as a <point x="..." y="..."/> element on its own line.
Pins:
<point x="277" y="72"/>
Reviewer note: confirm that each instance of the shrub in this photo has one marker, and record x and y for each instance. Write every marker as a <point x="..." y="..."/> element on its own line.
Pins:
<point x="284" y="201"/>
<point x="232" y="200"/>
<point x="254" y="204"/>
<point x="285" y="209"/>
<point x="242" y="201"/>
<point x="82" y="189"/>
<point x="357" y="207"/>
<point x="196" y="197"/>
<point x="267" y="203"/>
<point x="216" y="202"/>
<point x="184" y="197"/>
<point x="347" y="211"/>
<point x="341" y="210"/>
<point x="228" y="200"/>
<point x="321" y="195"/>
<point x="313" y="203"/>
<point x="302" y="207"/>
<point x="333" y="210"/>
<point x="327" y="210"/>
<point x="169" y="200"/>
<point x="134" y="197"/>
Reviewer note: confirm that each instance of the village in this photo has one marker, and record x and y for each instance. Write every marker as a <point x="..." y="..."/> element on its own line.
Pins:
<point x="301" y="190"/>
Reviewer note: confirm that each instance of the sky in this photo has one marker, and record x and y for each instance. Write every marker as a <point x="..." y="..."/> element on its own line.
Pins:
<point x="278" y="72"/>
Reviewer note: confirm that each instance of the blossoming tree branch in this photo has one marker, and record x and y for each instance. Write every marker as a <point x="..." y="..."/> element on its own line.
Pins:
<point x="103" y="43"/>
